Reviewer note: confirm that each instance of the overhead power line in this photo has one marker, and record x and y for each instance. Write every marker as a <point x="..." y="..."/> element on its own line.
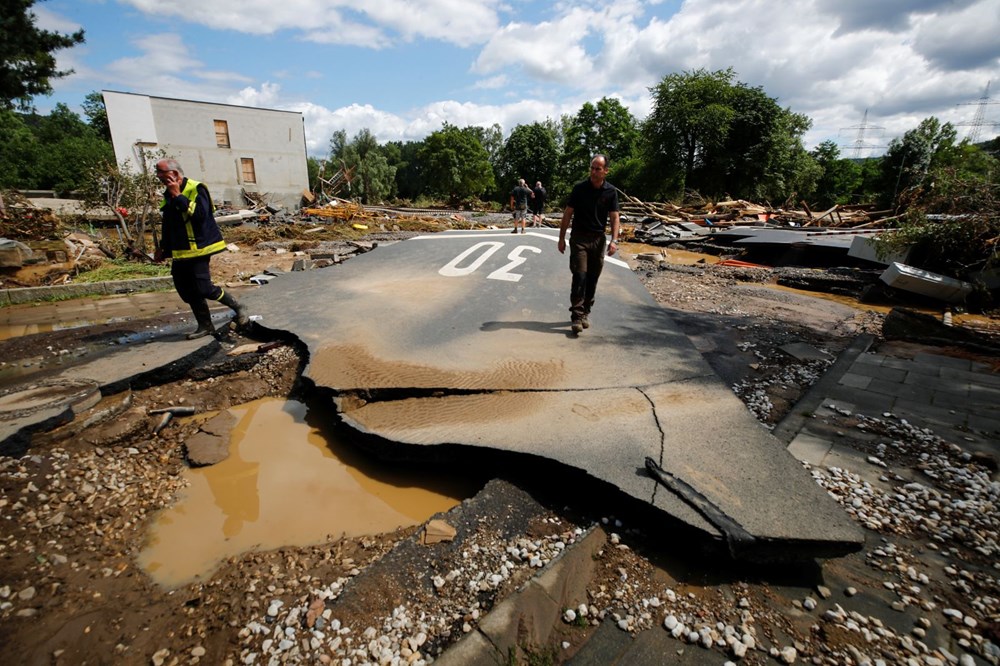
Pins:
<point x="859" y="145"/>
<point x="979" y="119"/>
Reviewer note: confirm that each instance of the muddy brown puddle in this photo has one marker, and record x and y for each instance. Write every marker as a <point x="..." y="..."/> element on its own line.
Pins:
<point x="286" y="483"/>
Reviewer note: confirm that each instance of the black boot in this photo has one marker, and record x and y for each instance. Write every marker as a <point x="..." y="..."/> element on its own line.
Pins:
<point x="204" y="318"/>
<point x="242" y="319"/>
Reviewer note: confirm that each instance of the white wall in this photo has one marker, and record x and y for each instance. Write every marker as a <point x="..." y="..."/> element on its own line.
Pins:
<point x="185" y="130"/>
<point x="131" y="120"/>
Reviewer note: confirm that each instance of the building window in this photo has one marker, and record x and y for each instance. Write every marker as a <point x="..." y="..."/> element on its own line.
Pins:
<point x="221" y="134"/>
<point x="247" y="170"/>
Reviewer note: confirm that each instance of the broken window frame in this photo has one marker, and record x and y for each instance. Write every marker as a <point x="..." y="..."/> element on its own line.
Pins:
<point x="248" y="172"/>
<point x="222" y="134"/>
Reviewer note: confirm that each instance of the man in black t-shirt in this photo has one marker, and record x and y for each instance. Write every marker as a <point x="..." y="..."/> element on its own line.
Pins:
<point x="591" y="204"/>
<point x="537" y="203"/>
<point x="519" y="197"/>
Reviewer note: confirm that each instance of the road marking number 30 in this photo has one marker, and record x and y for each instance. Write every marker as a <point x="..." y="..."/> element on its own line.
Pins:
<point x="487" y="249"/>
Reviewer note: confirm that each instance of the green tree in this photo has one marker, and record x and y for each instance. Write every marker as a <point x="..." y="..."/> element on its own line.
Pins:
<point x="491" y="139"/>
<point x="97" y="114"/>
<point x="312" y="170"/>
<point x="910" y="160"/>
<point x="410" y="180"/>
<point x="720" y="137"/>
<point x="128" y="194"/>
<point x="871" y="177"/>
<point x="608" y="128"/>
<point x="27" y="63"/>
<point x="766" y="159"/>
<point x="688" y="125"/>
<point x="19" y="157"/>
<point x="455" y="163"/>
<point x="48" y="152"/>
<point x="530" y="153"/>
<point x="68" y="147"/>
<point x="840" y="177"/>
<point x="373" y="179"/>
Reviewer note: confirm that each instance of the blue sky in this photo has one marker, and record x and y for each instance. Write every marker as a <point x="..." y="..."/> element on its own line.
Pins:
<point x="402" y="67"/>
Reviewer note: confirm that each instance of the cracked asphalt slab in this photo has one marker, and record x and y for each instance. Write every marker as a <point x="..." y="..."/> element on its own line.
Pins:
<point x="462" y="339"/>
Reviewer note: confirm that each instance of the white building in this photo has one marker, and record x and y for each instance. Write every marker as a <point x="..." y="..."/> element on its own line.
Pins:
<point x="229" y="148"/>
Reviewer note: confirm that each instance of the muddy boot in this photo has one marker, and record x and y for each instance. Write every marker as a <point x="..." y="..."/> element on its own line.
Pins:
<point x="242" y="318"/>
<point x="204" y="318"/>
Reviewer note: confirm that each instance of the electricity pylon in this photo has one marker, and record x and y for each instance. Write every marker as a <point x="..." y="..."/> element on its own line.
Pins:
<point x="859" y="144"/>
<point x="979" y="120"/>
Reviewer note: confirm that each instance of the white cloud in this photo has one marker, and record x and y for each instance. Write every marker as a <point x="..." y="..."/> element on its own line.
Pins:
<point x="548" y="51"/>
<point x="492" y="83"/>
<point x="268" y="97"/>
<point x="815" y="56"/>
<point x="48" y="20"/>
<point x="903" y="60"/>
<point x="165" y="69"/>
<point x="347" y="22"/>
<point x="960" y="40"/>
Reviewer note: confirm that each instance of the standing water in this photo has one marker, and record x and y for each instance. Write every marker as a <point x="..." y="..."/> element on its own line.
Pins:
<point x="283" y="485"/>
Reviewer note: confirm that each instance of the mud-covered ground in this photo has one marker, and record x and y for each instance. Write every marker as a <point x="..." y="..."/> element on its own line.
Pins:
<point x="74" y="510"/>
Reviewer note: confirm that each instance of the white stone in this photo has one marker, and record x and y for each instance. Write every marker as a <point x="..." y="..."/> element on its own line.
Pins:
<point x="788" y="655"/>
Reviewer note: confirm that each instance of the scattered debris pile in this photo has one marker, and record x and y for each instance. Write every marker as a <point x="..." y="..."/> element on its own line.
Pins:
<point x="21" y="220"/>
<point x="726" y="214"/>
<point x="361" y="216"/>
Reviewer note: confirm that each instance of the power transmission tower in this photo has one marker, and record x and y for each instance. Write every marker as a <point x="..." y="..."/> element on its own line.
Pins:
<point x="859" y="145"/>
<point x="979" y="120"/>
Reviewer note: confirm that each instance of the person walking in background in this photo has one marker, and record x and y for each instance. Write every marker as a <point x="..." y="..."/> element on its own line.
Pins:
<point x="519" y="197"/>
<point x="537" y="204"/>
<point x="591" y="204"/>
<point x="190" y="236"/>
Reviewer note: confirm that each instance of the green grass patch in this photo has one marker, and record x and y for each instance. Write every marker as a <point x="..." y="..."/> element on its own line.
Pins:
<point x="121" y="269"/>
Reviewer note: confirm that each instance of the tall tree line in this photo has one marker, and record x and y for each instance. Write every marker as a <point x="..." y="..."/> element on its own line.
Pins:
<point x="708" y="136"/>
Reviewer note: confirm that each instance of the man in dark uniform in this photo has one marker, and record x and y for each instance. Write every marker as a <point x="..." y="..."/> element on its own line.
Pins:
<point x="537" y="204"/>
<point x="190" y="236"/>
<point x="591" y="204"/>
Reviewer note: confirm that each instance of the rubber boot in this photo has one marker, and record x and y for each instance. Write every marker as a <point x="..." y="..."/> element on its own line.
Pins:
<point x="204" y="318"/>
<point x="242" y="318"/>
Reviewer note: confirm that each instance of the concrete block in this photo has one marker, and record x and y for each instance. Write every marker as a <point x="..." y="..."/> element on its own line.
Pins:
<point x="869" y="359"/>
<point x="529" y="616"/>
<point x="977" y="377"/>
<point x="879" y="372"/>
<point x="855" y="381"/>
<point x="810" y="449"/>
<point x="944" y="361"/>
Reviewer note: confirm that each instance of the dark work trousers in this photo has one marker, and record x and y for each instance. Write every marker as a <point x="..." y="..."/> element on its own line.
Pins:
<point x="193" y="280"/>
<point x="586" y="261"/>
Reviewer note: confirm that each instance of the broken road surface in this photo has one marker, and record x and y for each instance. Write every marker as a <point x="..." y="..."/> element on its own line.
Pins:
<point x="463" y="339"/>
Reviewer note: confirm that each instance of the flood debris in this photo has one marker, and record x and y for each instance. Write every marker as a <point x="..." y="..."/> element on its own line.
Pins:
<point x="164" y="422"/>
<point x="210" y="445"/>
<point x="437" y="531"/>
<point x="181" y="410"/>
<point x="926" y="283"/>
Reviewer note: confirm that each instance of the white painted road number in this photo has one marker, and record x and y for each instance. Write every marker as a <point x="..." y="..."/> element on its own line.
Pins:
<point x="488" y="249"/>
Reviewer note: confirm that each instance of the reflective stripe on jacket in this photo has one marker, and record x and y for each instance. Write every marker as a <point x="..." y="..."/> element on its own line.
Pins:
<point x="202" y="237"/>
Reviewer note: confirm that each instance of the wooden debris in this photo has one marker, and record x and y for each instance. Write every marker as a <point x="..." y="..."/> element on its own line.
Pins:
<point x="436" y="531"/>
<point x="175" y="411"/>
<point x="670" y="218"/>
<point x="163" y="423"/>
